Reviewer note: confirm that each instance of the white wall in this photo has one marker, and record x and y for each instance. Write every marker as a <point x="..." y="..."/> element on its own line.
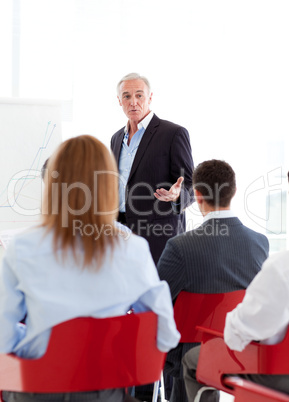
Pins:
<point x="220" y="68"/>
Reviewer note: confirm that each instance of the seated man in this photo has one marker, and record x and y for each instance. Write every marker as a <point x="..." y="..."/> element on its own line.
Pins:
<point x="221" y="255"/>
<point x="263" y="315"/>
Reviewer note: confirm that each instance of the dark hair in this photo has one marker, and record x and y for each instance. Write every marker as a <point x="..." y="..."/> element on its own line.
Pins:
<point x="44" y="167"/>
<point x="215" y="179"/>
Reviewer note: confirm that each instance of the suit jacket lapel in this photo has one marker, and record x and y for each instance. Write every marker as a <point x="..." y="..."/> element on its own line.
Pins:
<point x="146" y="139"/>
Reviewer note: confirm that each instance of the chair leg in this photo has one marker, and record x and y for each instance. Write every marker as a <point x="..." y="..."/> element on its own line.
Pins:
<point x="159" y="385"/>
<point x="201" y="390"/>
<point x="162" y="388"/>
<point x="156" y="391"/>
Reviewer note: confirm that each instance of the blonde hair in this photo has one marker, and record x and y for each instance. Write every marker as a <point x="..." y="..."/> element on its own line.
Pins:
<point x="82" y="187"/>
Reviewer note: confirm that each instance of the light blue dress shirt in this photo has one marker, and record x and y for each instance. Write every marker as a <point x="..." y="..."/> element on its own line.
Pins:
<point x="127" y="155"/>
<point x="35" y="281"/>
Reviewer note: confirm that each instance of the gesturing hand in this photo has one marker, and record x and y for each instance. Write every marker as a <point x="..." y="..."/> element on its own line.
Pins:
<point x="172" y="194"/>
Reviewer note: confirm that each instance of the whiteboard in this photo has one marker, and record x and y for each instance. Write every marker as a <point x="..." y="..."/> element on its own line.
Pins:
<point x="30" y="130"/>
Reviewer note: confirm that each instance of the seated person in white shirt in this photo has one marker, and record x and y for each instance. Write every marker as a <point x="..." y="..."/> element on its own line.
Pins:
<point x="77" y="263"/>
<point x="263" y="315"/>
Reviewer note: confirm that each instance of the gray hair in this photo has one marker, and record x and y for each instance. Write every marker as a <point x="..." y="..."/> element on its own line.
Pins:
<point x="133" y="76"/>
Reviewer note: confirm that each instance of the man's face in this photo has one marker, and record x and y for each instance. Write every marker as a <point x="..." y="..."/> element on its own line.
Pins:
<point x="134" y="97"/>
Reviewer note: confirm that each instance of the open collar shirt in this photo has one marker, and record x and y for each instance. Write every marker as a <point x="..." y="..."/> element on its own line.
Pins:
<point x="127" y="155"/>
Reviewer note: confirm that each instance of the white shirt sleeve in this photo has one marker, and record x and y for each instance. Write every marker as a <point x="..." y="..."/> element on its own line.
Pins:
<point x="264" y="312"/>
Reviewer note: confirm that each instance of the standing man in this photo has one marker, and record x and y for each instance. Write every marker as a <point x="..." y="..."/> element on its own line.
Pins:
<point x="222" y="255"/>
<point x="155" y="166"/>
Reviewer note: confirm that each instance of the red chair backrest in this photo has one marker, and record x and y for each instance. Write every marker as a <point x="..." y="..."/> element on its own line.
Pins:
<point x="90" y="354"/>
<point x="216" y="360"/>
<point x="247" y="391"/>
<point x="203" y="309"/>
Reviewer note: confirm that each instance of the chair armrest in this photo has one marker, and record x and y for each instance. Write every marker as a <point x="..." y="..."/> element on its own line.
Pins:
<point x="210" y="331"/>
<point x="216" y="360"/>
<point x="245" y="390"/>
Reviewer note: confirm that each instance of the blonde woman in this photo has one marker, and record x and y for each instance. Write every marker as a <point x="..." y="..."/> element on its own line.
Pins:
<point x="77" y="263"/>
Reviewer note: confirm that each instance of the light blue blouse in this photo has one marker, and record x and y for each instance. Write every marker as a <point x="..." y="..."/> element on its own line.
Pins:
<point x="36" y="282"/>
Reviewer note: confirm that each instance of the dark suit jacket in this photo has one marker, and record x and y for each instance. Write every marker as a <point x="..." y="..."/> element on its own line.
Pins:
<point x="222" y="255"/>
<point x="164" y="154"/>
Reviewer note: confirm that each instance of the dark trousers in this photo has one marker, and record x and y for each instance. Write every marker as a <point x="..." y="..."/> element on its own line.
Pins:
<point x="178" y="393"/>
<point x="190" y="361"/>
<point x="108" y="395"/>
<point x="193" y="387"/>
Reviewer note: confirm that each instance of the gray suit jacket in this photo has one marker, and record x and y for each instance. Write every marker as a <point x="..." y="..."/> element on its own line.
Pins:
<point x="220" y="256"/>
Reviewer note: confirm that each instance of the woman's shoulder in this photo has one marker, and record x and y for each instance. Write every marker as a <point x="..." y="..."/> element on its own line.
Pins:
<point x="31" y="239"/>
<point x="133" y="247"/>
<point x="133" y="241"/>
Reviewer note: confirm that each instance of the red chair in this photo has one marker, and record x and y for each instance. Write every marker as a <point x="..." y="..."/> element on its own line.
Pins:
<point x="247" y="391"/>
<point x="216" y="360"/>
<point x="201" y="309"/>
<point x="208" y="309"/>
<point x="87" y="354"/>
